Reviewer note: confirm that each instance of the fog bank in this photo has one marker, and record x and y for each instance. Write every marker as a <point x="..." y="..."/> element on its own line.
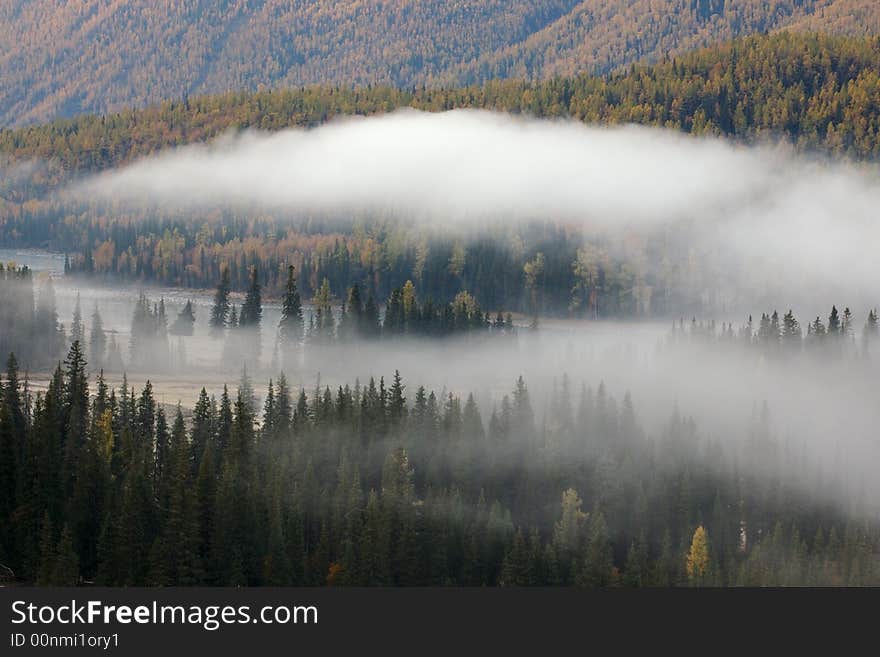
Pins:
<point x="773" y="214"/>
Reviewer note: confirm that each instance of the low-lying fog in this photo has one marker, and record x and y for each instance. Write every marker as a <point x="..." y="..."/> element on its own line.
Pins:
<point x="807" y="229"/>
<point x="824" y="404"/>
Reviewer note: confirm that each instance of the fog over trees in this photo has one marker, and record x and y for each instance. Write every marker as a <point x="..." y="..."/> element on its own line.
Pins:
<point x="385" y="481"/>
<point x="380" y="484"/>
<point x="457" y="336"/>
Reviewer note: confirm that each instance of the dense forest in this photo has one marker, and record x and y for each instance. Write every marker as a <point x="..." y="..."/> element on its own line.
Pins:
<point x="817" y="91"/>
<point x="820" y="93"/>
<point x="213" y="392"/>
<point x="56" y="62"/>
<point x="376" y="484"/>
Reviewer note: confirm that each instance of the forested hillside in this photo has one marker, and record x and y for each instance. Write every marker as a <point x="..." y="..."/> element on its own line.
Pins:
<point x="817" y="91"/>
<point x="63" y="58"/>
<point x="601" y="35"/>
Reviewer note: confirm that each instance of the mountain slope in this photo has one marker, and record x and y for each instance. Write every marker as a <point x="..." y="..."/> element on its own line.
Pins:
<point x="64" y="58"/>
<point x="601" y="35"/>
<point x="59" y="58"/>
<point x="850" y="17"/>
<point x="817" y="92"/>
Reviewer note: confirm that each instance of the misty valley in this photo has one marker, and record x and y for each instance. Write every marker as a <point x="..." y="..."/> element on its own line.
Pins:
<point x="174" y="436"/>
<point x="586" y="331"/>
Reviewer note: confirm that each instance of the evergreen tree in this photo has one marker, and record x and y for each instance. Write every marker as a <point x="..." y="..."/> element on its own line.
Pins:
<point x="97" y="341"/>
<point x="371" y="326"/>
<point x="290" y="328"/>
<point x="65" y="570"/>
<point x="791" y="331"/>
<point x="568" y="531"/>
<point x="252" y="310"/>
<point x="325" y="323"/>
<point x="220" y="309"/>
<point x="872" y="329"/>
<point x="353" y="318"/>
<point x="185" y="322"/>
<point x="834" y="322"/>
<point x="77" y="330"/>
<point x="598" y="564"/>
<point x="366" y="488"/>
<point x="397" y="400"/>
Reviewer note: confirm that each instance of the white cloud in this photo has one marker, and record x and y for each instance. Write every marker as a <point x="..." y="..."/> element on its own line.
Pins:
<point x="816" y="221"/>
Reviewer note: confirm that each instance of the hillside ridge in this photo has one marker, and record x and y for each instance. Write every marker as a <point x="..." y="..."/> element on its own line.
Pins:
<point x="60" y="59"/>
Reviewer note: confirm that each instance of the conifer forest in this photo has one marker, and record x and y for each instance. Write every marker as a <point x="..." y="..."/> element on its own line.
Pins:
<point x="543" y="308"/>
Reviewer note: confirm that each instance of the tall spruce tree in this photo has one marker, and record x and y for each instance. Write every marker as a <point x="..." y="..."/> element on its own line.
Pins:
<point x="97" y="341"/>
<point x="252" y="309"/>
<point x="220" y="309"/>
<point x="290" y="328"/>
<point x="184" y="324"/>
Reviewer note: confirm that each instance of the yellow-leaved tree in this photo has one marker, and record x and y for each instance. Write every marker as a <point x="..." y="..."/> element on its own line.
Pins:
<point x="697" y="565"/>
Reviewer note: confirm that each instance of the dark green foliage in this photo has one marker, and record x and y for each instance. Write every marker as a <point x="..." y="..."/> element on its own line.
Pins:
<point x="220" y="309"/>
<point x="290" y="329"/>
<point x="252" y="310"/>
<point x="367" y="487"/>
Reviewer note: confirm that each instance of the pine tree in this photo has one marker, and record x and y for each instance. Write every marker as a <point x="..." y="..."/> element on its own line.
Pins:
<point x="635" y="572"/>
<point x="846" y="323"/>
<point x="220" y="309"/>
<point x="46" y="572"/>
<point x="283" y="407"/>
<point x="791" y="331"/>
<point x="353" y="322"/>
<point x="162" y="467"/>
<point x="371" y="326"/>
<point x="869" y="335"/>
<point x="47" y="330"/>
<point x="10" y="462"/>
<point x="277" y="569"/>
<point x="75" y="411"/>
<point x="176" y="559"/>
<point x="397" y="400"/>
<point x="834" y="322"/>
<point x="97" y="341"/>
<point x="534" y="273"/>
<point x="185" y="322"/>
<point x="517" y="569"/>
<point x="394" y="318"/>
<point x="252" y="310"/>
<point x="568" y="531"/>
<point x="65" y="571"/>
<point x="77" y="330"/>
<point x="325" y="323"/>
<point x="471" y="420"/>
<point x="598" y="564"/>
<point x="290" y="328"/>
